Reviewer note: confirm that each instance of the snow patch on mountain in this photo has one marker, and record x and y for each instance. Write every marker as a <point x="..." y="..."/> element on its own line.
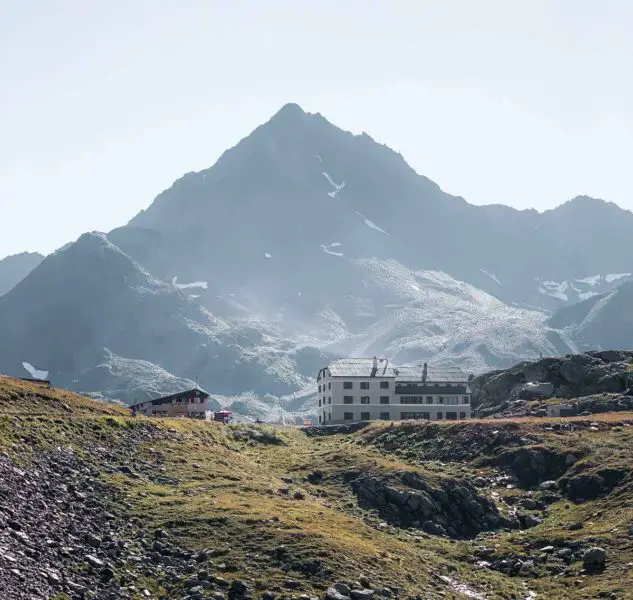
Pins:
<point x="611" y="277"/>
<point x="554" y="289"/>
<point x="591" y="280"/>
<point x="194" y="284"/>
<point x="492" y="276"/>
<point x="337" y="186"/>
<point x="35" y="373"/>
<point x="327" y="248"/>
<point x="371" y="224"/>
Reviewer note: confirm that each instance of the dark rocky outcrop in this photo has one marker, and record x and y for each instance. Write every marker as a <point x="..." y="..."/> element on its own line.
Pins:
<point x="449" y="507"/>
<point x="590" y="485"/>
<point x="532" y="465"/>
<point x="565" y="377"/>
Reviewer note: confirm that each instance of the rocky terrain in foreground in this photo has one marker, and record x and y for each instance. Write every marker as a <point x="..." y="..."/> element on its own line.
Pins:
<point x="97" y="504"/>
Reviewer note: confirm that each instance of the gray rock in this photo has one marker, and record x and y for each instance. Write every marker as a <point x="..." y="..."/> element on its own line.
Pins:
<point x="549" y="485"/>
<point x="333" y="594"/>
<point x="433" y="528"/>
<point x="93" y="561"/>
<point x="343" y="588"/>
<point x="594" y="559"/>
<point x="364" y="594"/>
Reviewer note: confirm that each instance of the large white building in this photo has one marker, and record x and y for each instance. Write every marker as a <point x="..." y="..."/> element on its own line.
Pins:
<point x="366" y="389"/>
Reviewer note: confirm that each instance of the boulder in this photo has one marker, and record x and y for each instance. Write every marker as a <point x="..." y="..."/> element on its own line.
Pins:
<point x="594" y="559"/>
<point x="333" y="594"/>
<point x="364" y="594"/>
<point x="433" y="528"/>
<point x="533" y="390"/>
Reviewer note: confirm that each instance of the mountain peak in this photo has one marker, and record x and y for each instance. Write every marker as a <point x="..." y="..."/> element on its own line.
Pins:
<point x="289" y="115"/>
<point x="289" y="110"/>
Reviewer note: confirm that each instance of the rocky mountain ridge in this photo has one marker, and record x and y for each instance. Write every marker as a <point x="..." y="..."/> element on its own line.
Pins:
<point x="15" y="268"/>
<point x="305" y="242"/>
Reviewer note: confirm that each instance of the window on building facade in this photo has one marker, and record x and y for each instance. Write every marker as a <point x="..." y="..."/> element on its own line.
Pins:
<point x="348" y="416"/>
<point x="329" y="399"/>
<point x="364" y="385"/>
<point x="329" y="385"/>
<point x="319" y="401"/>
<point x="451" y="416"/>
<point x="319" y="389"/>
<point x="348" y="385"/>
<point x="319" y="418"/>
<point x="384" y="399"/>
<point x="451" y="400"/>
<point x="384" y="385"/>
<point x="429" y="399"/>
<point x="348" y="399"/>
<point x="364" y="399"/>
<point x="415" y="415"/>
<point x="329" y="416"/>
<point x="466" y="400"/>
<point x="413" y="400"/>
<point x="384" y="416"/>
<point x="364" y="416"/>
<point x="440" y="416"/>
<point x="462" y="415"/>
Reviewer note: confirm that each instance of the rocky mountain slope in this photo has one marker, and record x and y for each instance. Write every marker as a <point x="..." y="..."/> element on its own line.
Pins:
<point x="14" y="269"/>
<point x="602" y="322"/>
<point x="96" y="503"/>
<point x="305" y="242"/>
<point x="596" y="381"/>
<point x="94" y="319"/>
<point x="299" y="192"/>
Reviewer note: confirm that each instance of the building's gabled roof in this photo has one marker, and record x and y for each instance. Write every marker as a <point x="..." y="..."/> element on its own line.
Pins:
<point x="361" y="367"/>
<point x="165" y="399"/>
<point x="433" y="374"/>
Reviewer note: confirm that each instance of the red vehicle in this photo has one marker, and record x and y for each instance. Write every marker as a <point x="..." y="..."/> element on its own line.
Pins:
<point x="224" y="416"/>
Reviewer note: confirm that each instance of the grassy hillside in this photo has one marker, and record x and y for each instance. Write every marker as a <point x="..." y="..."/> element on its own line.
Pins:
<point x="94" y="500"/>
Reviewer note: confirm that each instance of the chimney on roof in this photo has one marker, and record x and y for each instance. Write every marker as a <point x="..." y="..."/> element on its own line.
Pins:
<point x="374" y="367"/>
<point x="424" y="372"/>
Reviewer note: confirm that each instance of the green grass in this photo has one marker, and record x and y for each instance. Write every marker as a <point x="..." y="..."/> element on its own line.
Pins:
<point x="223" y="491"/>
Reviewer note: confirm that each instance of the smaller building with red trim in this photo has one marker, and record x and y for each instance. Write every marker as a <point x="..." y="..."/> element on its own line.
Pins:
<point x="192" y="403"/>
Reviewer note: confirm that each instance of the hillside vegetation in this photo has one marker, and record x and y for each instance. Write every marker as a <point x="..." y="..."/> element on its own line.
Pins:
<point x="97" y="504"/>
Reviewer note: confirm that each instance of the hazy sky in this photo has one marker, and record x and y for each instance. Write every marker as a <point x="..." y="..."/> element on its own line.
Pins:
<point x="105" y="103"/>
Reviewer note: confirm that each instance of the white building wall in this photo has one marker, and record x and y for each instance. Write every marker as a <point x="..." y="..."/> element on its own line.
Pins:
<point x="332" y="408"/>
<point x="332" y="397"/>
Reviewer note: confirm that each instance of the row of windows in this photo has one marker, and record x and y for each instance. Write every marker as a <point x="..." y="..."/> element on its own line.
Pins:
<point x="364" y="400"/>
<point x="450" y="400"/>
<point x="384" y="416"/>
<point x="329" y="400"/>
<point x="425" y="415"/>
<point x="364" y="385"/>
<point x="349" y="385"/>
<point x="365" y="416"/>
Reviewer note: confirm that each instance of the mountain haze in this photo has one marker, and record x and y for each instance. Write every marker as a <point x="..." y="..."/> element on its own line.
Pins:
<point x="305" y="242"/>
<point x="14" y="269"/>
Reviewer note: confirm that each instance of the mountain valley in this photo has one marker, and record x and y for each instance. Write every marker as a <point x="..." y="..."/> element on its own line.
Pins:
<point x="95" y="503"/>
